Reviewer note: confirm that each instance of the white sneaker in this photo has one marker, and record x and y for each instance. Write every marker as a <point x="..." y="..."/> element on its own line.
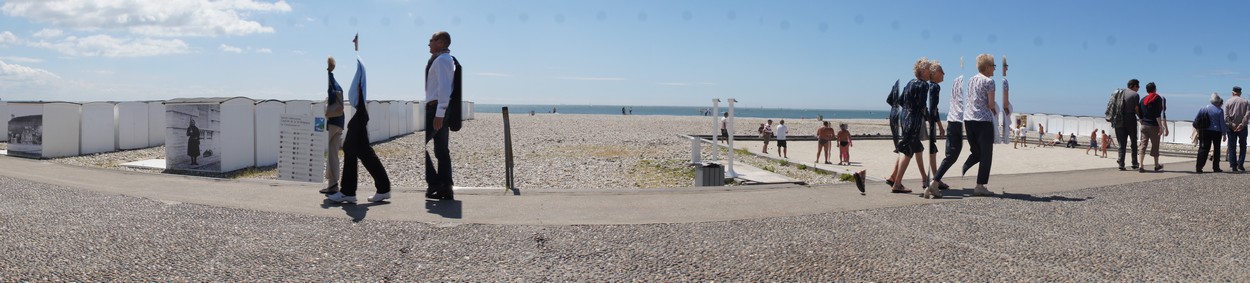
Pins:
<point x="981" y="191"/>
<point x="932" y="193"/>
<point x="339" y="197"/>
<point x="379" y="197"/>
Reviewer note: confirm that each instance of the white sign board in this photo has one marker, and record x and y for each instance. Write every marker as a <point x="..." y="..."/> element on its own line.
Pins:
<point x="302" y="148"/>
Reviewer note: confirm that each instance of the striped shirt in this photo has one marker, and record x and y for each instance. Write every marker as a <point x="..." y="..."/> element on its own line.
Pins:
<point x="976" y="100"/>
<point x="956" y="112"/>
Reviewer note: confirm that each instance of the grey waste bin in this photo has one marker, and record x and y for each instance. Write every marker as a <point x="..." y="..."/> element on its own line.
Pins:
<point x="709" y="174"/>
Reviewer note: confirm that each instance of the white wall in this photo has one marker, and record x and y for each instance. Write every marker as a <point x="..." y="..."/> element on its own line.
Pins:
<point x="98" y="128"/>
<point x="378" y="129"/>
<point x="397" y="118"/>
<point x="156" y="123"/>
<point x="237" y="144"/>
<point x="132" y="125"/>
<point x="267" y="127"/>
<point x="61" y="129"/>
<point x="418" y="116"/>
<point x="1085" y="124"/>
<point x="301" y="107"/>
<point x="4" y="121"/>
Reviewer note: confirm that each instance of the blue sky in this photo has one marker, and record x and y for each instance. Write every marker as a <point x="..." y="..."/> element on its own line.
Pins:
<point x="1065" y="56"/>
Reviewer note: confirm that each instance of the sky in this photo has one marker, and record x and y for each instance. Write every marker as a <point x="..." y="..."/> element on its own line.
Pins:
<point x="1065" y="57"/>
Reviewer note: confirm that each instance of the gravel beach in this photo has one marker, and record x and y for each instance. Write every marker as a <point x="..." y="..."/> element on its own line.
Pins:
<point x="1187" y="228"/>
<point x="552" y="152"/>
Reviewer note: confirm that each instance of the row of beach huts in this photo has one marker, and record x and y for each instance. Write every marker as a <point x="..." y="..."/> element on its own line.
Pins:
<point x="230" y="133"/>
<point x="1181" y="131"/>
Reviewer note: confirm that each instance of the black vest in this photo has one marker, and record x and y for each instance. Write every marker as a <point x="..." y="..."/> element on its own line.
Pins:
<point x="453" y="117"/>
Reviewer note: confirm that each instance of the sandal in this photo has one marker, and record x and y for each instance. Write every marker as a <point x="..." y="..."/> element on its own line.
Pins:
<point x="904" y="190"/>
<point x="1158" y="168"/>
<point x="859" y="182"/>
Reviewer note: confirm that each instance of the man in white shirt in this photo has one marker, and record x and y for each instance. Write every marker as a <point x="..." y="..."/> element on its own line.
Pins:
<point x="439" y="80"/>
<point x="781" y="132"/>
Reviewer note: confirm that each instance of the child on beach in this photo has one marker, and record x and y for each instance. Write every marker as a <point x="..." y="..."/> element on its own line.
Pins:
<point x="844" y="145"/>
<point x="1106" y="141"/>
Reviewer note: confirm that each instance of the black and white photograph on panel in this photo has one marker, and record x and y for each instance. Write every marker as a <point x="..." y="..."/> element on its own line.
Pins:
<point x="190" y="137"/>
<point x="26" y="130"/>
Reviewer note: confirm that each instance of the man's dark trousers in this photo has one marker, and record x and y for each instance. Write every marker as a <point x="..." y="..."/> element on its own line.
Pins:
<point x="1127" y="137"/>
<point x="439" y="181"/>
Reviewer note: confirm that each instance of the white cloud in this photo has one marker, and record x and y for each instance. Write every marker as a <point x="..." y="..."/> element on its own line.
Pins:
<point x="7" y="37"/>
<point x="48" y="32"/>
<point x="23" y="75"/>
<point x="264" y="51"/>
<point x="231" y="49"/>
<point x="166" y="18"/>
<point x="20" y="59"/>
<point x="108" y="46"/>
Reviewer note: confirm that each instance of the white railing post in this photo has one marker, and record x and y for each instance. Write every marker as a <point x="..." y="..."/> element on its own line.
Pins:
<point x="729" y="123"/>
<point x="715" y="128"/>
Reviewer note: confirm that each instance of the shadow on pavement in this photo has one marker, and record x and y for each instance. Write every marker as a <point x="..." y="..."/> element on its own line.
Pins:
<point x="356" y="211"/>
<point x="444" y="208"/>
<point x="1028" y="197"/>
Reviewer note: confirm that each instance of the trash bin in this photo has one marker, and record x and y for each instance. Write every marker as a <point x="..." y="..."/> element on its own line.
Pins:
<point x="709" y="174"/>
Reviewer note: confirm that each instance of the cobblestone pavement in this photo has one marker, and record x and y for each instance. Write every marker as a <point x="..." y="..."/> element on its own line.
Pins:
<point x="1191" y="228"/>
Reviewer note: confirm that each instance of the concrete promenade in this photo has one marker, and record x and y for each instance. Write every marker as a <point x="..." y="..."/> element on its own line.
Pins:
<point x="553" y="207"/>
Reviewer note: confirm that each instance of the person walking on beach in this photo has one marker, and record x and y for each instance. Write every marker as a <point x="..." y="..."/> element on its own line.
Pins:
<point x="1153" y="125"/>
<point x="1237" y="115"/>
<point x="193" y="142"/>
<point x="979" y="112"/>
<point x="1093" y="142"/>
<point x="767" y="134"/>
<point x="912" y="115"/>
<point x="356" y="144"/>
<point x="334" y="127"/>
<point x="824" y="136"/>
<point x="1125" y="123"/>
<point x="442" y="85"/>
<point x="781" y="132"/>
<point x="936" y="77"/>
<point x="724" y="131"/>
<point x="844" y="145"/>
<point x="954" y="132"/>
<point x="1041" y="135"/>
<point x="1211" y="135"/>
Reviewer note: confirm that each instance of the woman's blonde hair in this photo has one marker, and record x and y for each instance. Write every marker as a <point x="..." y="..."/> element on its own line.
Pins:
<point x="984" y="62"/>
<point x="921" y="65"/>
<point x="934" y="66"/>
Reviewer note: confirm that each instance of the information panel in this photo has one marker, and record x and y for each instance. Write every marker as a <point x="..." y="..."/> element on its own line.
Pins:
<point x="302" y="148"/>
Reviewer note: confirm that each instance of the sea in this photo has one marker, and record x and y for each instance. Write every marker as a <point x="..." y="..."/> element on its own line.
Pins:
<point x="754" y="112"/>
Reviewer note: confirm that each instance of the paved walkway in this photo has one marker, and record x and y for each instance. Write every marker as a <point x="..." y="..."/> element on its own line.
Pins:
<point x="549" y="207"/>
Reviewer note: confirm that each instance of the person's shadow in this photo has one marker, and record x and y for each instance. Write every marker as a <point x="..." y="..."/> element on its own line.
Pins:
<point x="444" y="208"/>
<point x="356" y="211"/>
<point x="967" y="193"/>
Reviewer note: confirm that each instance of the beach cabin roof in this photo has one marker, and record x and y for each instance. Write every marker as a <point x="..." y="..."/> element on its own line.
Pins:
<point x="204" y="100"/>
<point x="42" y="102"/>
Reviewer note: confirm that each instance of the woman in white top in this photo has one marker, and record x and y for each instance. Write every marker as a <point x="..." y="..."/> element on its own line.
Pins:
<point x="979" y="112"/>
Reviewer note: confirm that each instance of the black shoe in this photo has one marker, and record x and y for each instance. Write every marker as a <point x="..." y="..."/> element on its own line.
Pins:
<point x="1199" y="171"/>
<point x="859" y="182"/>
<point x="1122" y="168"/>
<point x="330" y="190"/>
<point x="1135" y="166"/>
<point x="1217" y="170"/>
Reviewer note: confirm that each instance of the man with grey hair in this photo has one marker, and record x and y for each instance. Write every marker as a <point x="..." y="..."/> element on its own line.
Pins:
<point x="1237" y="113"/>
<point x="1210" y="135"/>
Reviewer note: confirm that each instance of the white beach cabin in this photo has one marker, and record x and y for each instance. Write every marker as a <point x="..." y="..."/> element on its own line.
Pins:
<point x="39" y="129"/>
<point x="132" y="125"/>
<point x="156" y="123"/>
<point x="268" y="121"/>
<point x="98" y="128"/>
<point x="215" y="135"/>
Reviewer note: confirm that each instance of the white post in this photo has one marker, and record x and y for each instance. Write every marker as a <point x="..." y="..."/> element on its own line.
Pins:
<point x="715" y="128"/>
<point x="695" y="154"/>
<point x="730" y="124"/>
